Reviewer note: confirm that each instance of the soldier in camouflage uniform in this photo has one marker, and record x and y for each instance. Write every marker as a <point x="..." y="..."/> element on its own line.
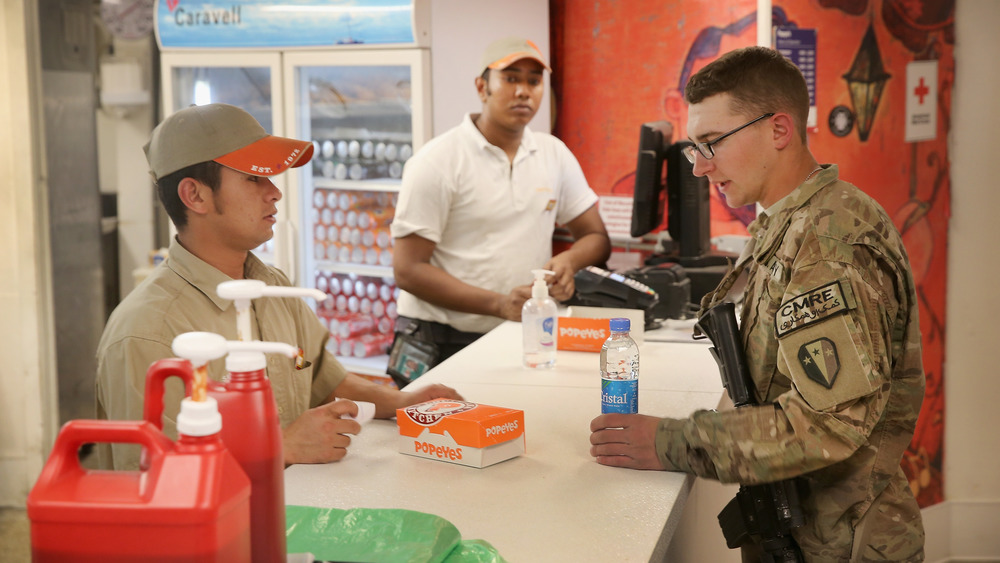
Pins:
<point x="829" y="325"/>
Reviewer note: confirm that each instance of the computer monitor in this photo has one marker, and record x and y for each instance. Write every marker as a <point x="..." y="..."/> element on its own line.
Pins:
<point x="675" y="188"/>
<point x="649" y="196"/>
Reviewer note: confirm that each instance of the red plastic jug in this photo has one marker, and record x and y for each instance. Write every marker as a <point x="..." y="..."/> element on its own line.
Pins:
<point x="251" y="431"/>
<point x="192" y="502"/>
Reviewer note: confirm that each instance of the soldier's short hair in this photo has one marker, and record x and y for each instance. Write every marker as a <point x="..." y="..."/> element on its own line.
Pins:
<point x="759" y="80"/>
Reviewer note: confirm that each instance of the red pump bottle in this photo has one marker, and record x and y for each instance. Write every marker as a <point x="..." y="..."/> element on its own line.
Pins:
<point x="191" y="502"/>
<point x="252" y="430"/>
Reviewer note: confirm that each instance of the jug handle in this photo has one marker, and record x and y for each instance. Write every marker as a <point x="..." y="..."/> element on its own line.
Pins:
<point x="155" y="380"/>
<point x="75" y="433"/>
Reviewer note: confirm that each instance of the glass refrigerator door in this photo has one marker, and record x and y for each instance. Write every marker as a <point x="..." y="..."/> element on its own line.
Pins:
<point x="366" y="112"/>
<point x="251" y="81"/>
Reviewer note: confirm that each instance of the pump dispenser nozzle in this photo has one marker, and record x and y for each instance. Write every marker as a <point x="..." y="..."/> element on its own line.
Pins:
<point x="249" y="356"/>
<point x="242" y="291"/>
<point x="199" y="348"/>
<point x="199" y="414"/>
<point x="539" y="289"/>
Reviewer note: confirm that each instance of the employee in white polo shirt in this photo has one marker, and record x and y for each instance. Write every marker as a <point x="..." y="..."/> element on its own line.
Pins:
<point x="477" y="209"/>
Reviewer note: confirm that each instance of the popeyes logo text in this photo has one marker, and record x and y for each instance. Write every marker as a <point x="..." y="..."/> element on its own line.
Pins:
<point x="501" y="429"/>
<point x="440" y="452"/>
<point x="581" y="334"/>
<point x="586" y="333"/>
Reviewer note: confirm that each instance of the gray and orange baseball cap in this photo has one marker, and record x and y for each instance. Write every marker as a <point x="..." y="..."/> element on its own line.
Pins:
<point x="504" y="52"/>
<point x="226" y="134"/>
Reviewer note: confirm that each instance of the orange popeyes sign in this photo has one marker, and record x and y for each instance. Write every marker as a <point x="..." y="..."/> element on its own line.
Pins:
<point x="580" y="334"/>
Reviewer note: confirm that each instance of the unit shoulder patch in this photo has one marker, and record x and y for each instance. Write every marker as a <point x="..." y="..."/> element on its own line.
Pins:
<point x="825" y="365"/>
<point x="810" y="307"/>
<point x="820" y="361"/>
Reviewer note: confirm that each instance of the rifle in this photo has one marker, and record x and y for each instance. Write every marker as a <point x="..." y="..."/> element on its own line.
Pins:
<point x="759" y="514"/>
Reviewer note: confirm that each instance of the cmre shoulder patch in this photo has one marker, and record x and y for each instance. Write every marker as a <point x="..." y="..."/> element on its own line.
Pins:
<point x="810" y="307"/>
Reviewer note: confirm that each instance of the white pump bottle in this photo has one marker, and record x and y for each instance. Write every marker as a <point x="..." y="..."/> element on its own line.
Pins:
<point x="539" y="322"/>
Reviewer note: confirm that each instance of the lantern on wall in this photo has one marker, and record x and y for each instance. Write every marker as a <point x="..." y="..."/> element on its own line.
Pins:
<point x="866" y="80"/>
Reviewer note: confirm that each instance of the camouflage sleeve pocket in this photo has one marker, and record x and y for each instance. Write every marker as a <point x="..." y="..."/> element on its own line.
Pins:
<point x="816" y="344"/>
<point x="825" y="365"/>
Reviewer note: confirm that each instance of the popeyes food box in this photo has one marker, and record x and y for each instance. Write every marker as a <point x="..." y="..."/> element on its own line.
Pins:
<point x="461" y="432"/>
<point x="584" y="329"/>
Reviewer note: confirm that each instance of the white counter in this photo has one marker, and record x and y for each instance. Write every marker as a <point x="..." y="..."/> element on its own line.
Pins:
<point x="554" y="502"/>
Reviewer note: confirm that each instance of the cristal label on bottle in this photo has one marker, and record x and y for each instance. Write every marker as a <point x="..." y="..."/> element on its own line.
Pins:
<point x="620" y="396"/>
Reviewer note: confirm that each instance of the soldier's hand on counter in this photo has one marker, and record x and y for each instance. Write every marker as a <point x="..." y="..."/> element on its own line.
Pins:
<point x="320" y="435"/>
<point x="625" y="440"/>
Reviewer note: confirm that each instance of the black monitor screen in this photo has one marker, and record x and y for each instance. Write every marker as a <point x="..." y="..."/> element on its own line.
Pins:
<point x="648" y="199"/>
<point x="676" y="188"/>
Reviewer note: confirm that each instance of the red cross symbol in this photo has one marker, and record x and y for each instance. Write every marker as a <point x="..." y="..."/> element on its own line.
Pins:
<point x="921" y="90"/>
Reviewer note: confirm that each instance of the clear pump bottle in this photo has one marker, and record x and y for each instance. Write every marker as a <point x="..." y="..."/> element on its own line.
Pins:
<point x="539" y="323"/>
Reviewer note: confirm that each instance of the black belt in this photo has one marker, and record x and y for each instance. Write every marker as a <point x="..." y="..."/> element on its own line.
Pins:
<point x="439" y="333"/>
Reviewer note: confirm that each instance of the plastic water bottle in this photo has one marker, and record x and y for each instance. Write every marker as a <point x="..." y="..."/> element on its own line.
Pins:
<point x="620" y="370"/>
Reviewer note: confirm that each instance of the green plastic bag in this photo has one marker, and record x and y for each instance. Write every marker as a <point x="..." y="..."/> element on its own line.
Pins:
<point x="380" y="535"/>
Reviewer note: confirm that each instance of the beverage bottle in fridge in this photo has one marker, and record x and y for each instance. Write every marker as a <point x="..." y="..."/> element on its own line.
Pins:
<point x="620" y="370"/>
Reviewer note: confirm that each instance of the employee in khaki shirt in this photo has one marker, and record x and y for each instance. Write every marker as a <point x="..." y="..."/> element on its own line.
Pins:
<point x="212" y="166"/>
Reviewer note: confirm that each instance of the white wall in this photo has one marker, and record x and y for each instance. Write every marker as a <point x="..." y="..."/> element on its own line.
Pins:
<point x="122" y="169"/>
<point x="972" y="385"/>
<point x="27" y="388"/>
<point x="964" y="526"/>
<point x="460" y="32"/>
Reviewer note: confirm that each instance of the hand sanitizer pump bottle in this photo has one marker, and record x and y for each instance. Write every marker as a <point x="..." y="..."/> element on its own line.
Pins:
<point x="539" y="323"/>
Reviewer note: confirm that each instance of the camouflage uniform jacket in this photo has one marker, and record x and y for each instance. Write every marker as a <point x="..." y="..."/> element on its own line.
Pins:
<point x="831" y="334"/>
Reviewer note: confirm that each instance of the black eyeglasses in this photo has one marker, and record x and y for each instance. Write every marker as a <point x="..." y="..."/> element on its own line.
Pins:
<point x="706" y="150"/>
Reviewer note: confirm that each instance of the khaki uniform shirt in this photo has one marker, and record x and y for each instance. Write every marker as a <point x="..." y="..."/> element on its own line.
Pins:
<point x="830" y="329"/>
<point x="179" y="296"/>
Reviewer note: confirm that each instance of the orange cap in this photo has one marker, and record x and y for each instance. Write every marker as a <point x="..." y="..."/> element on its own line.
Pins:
<point x="223" y="133"/>
<point x="504" y="52"/>
<point x="268" y="156"/>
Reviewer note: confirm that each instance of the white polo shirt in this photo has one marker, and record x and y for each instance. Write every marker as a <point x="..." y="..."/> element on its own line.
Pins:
<point x="492" y="221"/>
